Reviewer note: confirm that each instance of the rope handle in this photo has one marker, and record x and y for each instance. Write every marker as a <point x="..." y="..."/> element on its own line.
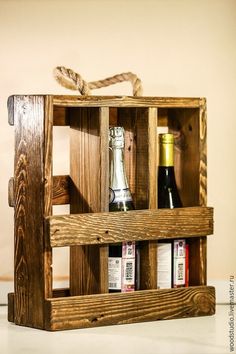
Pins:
<point x="74" y="81"/>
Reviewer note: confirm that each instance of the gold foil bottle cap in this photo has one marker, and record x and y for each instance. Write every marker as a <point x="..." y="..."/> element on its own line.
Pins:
<point x="166" y="144"/>
<point x="167" y="138"/>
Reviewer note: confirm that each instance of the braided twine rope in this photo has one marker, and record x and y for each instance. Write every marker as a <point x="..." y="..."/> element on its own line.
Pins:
<point x="74" y="81"/>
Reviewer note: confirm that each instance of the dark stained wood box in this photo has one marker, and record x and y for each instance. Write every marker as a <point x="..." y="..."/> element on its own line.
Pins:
<point x="89" y="227"/>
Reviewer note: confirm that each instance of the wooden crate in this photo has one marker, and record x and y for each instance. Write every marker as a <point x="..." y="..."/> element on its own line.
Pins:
<point x="90" y="227"/>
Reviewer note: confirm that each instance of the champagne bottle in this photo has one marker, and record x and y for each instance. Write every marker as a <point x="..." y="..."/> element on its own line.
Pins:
<point x="168" y="196"/>
<point x="121" y="261"/>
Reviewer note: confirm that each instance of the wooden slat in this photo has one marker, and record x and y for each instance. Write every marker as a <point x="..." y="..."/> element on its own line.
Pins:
<point x="152" y="158"/>
<point x="148" y="249"/>
<point x="203" y="154"/>
<point x="89" y="193"/>
<point x="104" y="114"/>
<point x="99" y="228"/>
<point x="124" y="308"/>
<point x="29" y="211"/>
<point x="48" y="192"/>
<point x="125" y="101"/>
<point x="197" y="261"/>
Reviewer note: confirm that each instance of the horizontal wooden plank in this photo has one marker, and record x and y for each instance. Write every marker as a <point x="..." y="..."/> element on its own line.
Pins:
<point x="60" y="191"/>
<point x="98" y="228"/>
<point x="123" y="308"/>
<point x="127" y="101"/>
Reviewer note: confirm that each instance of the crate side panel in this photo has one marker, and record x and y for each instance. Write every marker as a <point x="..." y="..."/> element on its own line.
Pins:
<point x="30" y="256"/>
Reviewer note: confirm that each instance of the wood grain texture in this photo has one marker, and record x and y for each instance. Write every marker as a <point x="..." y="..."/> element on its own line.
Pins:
<point x="99" y="228"/>
<point x="124" y="308"/>
<point x="125" y="101"/>
<point x="184" y="124"/>
<point x="148" y="265"/>
<point x="29" y="211"/>
<point x="89" y="193"/>
<point x="147" y="186"/>
<point x="140" y="164"/>
<point x="152" y="157"/>
<point x="203" y="154"/>
<point x="198" y="261"/>
<point x="48" y="191"/>
<point x="60" y="190"/>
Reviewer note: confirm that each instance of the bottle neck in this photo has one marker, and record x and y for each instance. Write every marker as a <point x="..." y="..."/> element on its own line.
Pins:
<point x="118" y="178"/>
<point x="166" y="154"/>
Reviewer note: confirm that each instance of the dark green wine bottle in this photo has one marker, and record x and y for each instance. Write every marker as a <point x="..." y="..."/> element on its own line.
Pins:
<point x="168" y="195"/>
<point x="122" y="257"/>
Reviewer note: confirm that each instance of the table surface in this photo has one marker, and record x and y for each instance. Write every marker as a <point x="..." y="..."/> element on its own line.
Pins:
<point x="198" y="335"/>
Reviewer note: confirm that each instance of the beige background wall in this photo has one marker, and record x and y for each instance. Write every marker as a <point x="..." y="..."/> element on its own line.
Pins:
<point x="178" y="48"/>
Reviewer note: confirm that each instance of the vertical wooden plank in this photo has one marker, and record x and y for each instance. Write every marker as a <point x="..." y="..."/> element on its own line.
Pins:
<point x="197" y="261"/>
<point x="152" y="157"/>
<point x="142" y="158"/>
<point x="140" y="126"/>
<point x="48" y="191"/>
<point x="29" y="257"/>
<point x="148" y="249"/>
<point x="104" y="191"/>
<point x="203" y="153"/>
<point x="189" y="127"/>
<point x="89" y="193"/>
<point x="198" y="249"/>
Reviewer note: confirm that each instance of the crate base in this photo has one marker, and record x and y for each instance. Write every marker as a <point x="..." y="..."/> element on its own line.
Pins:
<point x="73" y="312"/>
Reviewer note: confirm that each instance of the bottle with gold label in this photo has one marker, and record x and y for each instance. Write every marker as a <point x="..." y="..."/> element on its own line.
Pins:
<point x="168" y="196"/>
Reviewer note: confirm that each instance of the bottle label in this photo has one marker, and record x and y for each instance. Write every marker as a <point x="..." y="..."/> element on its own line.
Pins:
<point x="119" y="195"/>
<point x="128" y="274"/>
<point x="128" y="267"/>
<point x="121" y="270"/>
<point x="114" y="272"/>
<point x="179" y="263"/>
